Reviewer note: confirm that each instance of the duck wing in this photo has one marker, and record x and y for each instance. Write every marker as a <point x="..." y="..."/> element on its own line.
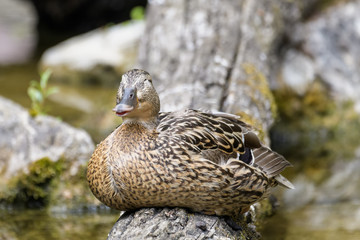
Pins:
<point x="223" y="139"/>
<point x="212" y="135"/>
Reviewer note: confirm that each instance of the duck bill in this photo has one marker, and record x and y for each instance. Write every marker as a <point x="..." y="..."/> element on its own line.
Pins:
<point x="122" y="109"/>
<point x="127" y="103"/>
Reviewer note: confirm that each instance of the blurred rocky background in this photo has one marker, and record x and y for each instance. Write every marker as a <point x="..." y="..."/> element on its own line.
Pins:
<point x="291" y="68"/>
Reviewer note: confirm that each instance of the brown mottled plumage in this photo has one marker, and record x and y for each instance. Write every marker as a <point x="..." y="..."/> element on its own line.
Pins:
<point x="209" y="163"/>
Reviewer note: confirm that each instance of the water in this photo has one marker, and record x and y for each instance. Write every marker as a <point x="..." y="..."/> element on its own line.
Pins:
<point x="41" y="224"/>
<point x="315" y="222"/>
<point x="14" y="81"/>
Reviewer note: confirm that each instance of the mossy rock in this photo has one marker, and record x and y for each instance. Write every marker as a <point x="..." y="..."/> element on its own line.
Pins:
<point x="33" y="188"/>
<point x="262" y="100"/>
<point x="48" y="183"/>
<point x="258" y="83"/>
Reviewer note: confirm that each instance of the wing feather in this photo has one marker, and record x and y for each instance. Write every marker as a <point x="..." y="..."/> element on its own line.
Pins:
<point x="222" y="132"/>
<point x="222" y="138"/>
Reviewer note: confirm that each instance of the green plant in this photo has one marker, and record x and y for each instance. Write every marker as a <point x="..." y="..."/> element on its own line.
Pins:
<point x="137" y="13"/>
<point x="38" y="92"/>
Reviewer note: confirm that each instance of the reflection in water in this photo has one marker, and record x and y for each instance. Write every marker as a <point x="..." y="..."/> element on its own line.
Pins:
<point x="39" y="225"/>
<point x="329" y="209"/>
<point x="14" y="81"/>
<point x="316" y="222"/>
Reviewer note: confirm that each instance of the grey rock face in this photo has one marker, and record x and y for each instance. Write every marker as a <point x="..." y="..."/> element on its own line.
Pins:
<point x="198" y="50"/>
<point x="24" y="139"/>
<point x="216" y="55"/>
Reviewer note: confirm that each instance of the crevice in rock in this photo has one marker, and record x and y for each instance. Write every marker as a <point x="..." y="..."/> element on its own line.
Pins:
<point x="229" y="72"/>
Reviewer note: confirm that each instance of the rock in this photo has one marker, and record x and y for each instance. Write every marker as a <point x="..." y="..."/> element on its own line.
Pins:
<point x="326" y="49"/>
<point x="99" y="56"/>
<point x="174" y="223"/>
<point x="25" y="139"/>
<point x="30" y="145"/>
<point x="18" y="37"/>
<point x="216" y="55"/>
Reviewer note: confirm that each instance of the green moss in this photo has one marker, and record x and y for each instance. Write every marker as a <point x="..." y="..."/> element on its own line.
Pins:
<point x="258" y="83"/>
<point x="261" y="96"/>
<point x="314" y="130"/>
<point x="255" y="123"/>
<point x="33" y="189"/>
<point x="49" y="184"/>
<point x="266" y="208"/>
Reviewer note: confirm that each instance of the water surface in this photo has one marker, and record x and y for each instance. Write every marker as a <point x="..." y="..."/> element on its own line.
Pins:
<point x="44" y="225"/>
<point x="316" y="222"/>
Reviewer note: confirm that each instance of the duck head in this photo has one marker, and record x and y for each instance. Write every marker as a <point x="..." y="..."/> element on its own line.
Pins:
<point x="137" y="98"/>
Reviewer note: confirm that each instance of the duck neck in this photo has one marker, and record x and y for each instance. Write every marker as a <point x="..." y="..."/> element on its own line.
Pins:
<point x="149" y="123"/>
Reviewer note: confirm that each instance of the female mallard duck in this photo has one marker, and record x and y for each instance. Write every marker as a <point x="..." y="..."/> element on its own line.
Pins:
<point x="209" y="163"/>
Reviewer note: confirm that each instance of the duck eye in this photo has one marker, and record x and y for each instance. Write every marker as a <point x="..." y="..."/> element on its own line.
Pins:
<point x="148" y="80"/>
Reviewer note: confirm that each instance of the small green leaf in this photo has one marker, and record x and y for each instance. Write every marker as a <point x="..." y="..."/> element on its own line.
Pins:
<point x="31" y="93"/>
<point x="35" y="94"/>
<point x="35" y="84"/>
<point x="137" y="13"/>
<point x="38" y="92"/>
<point x="44" y="78"/>
<point x="51" y="91"/>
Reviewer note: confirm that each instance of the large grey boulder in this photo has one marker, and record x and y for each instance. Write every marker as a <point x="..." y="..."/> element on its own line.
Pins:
<point x="24" y="140"/>
<point x="42" y="160"/>
<point x="210" y="55"/>
<point x="216" y="55"/>
<point x="17" y="31"/>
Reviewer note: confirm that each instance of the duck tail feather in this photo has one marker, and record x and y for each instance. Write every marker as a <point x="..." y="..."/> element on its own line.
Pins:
<point x="284" y="182"/>
<point x="269" y="161"/>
